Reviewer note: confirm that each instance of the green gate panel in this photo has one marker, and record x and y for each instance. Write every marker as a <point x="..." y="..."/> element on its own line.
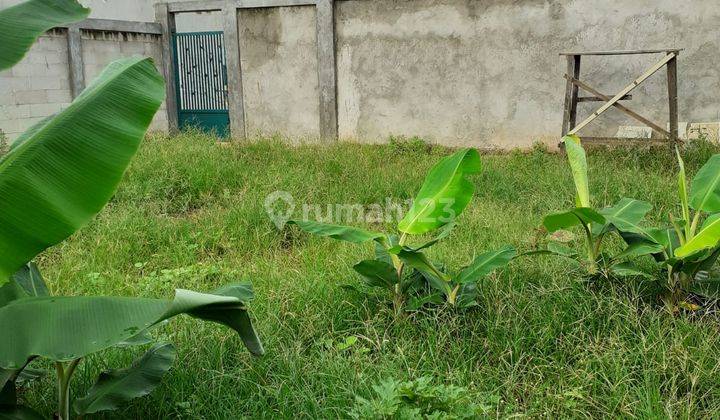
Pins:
<point x="201" y="82"/>
<point x="211" y="122"/>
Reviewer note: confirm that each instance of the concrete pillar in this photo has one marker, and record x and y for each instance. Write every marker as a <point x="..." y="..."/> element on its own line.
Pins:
<point x="76" y="68"/>
<point x="327" y="79"/>
<point x="167" y="22"/>
<point x="236" y="107"/>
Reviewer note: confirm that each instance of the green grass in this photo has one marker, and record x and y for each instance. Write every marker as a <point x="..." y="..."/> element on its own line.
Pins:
<point x="543" y="342"/>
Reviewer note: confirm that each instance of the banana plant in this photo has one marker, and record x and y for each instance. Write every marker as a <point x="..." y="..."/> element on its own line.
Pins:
<point x="54" y="179"/>
<point x="690" y="245"/>
<point x="403" y="268"/>
<point x="596" y="225"/>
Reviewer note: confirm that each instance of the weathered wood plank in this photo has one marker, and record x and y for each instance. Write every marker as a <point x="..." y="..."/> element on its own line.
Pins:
<point x="327" y="78"/>
<point x="597" y="99"/>
<point x="166" y="20"/>
<point x="236" y="106"/>
<point x="673" y="98"/>
<point x="622" y="52"/>
<point x="622" y="142"/>
<point x="568" y="98"/>
<point x="657" y="66"/>
<point x="622" y="108"/>
<point x="574" y="92"/>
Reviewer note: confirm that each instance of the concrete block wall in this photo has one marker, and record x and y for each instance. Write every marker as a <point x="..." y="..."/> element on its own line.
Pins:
<point x="279" y="71"/>
<point x="36" y="87"/>
<point x="39" y="86"/>
<point x="101" y="48"/>
<point x="488" y="74"/>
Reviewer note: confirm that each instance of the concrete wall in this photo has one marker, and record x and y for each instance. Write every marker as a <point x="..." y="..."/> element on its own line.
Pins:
<point x="484" y="73"/>
<point x="36" y="87"/>
<point x="487" y="73"/>
<point x="279" y="71"/>
<point x="39" y="85"/>
<point x="101" y="48"/>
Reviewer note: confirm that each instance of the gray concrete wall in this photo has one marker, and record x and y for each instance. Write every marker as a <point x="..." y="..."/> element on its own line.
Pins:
<point x="36" y="87"/>
<point x="484" y="73"/>
<point x="279" y="71"/>
<point x="101" y="48"/>
<point x="487" y="73"/>
<point x="39" y="85"/>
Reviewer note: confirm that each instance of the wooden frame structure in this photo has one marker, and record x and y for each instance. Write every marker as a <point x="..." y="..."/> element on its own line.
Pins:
<point x="326" y="72"/>
<point x="574" y="85"/>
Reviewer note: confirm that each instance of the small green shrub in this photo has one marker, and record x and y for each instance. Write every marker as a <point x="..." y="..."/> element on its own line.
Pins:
<point x="408" y="145"/>
<point x="689" y="248"/>
<point x="421" y="399"/>
<point x="404" y="269"/>
<point x="596" y="225"/>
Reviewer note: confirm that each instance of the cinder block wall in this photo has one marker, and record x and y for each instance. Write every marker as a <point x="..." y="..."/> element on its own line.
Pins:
<point x="39" y="85"/>
<point x="36" y="87"/>
<point x="279" y="71"/>
<point x="101" y="48"/>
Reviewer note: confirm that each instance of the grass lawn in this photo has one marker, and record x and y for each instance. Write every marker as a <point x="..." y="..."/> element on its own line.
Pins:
<point x="189" y="214"/>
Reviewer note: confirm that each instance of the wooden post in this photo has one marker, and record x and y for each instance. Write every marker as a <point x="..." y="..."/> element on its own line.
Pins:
<point x="327" y="78"/>
<point x="568" y="95"/>
<point x="75" y="61"/>
<point x="167" y="23"/>
<point x="236" y="107"/>
<point x="574" y="93"/>
<point x="672" y="97"/>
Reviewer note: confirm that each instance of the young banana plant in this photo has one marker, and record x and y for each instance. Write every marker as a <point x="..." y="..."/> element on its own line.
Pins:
<point x="689" y="247"/>
<point x="53" y="180"/>
<point x="403" y="268"/>
<point x="596" y="225"/>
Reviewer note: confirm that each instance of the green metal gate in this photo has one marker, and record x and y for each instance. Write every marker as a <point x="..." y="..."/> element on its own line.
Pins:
<point x="201" y="81"/>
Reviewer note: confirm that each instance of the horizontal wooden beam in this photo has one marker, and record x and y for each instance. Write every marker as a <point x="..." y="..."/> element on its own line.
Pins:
<point x="596" y="99"/>
<point x="620" y="142"/>
<point x="623" y="52"/>
<point x="109" y="25"/>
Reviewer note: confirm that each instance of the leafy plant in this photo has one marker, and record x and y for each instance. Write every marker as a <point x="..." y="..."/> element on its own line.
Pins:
<point x="404" y="269"/>
<point x="421" y="399"/>
<point x="53" y="180"/>
<point x="596" y="225"/>
<point x="689" y="247"/>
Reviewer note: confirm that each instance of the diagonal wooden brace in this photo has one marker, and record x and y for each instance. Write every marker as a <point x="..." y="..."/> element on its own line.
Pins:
<point x="584" y="86"/>
<point x="625" y="91"/>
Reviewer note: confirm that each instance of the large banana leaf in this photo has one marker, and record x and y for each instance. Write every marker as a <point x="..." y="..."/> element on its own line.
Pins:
<point x="708" y="237"/>
<point x="343" y="233"/>
<point x="421" y="263"/>
<point x="22" y="24"/>
<point x="627" y="214"/>
<point x="485" y="263"/>
<point x="444" y="194"/>
<point x="377" y="273"/>
<point x="67" y="328"/>
<point x="115" y="387"/>
<point x="30" y="279"/>
<point x="61" y="172"/>
<point x="705" y="187"/>
<point x="574" y="217"/>
<point x="578" y="166"/>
